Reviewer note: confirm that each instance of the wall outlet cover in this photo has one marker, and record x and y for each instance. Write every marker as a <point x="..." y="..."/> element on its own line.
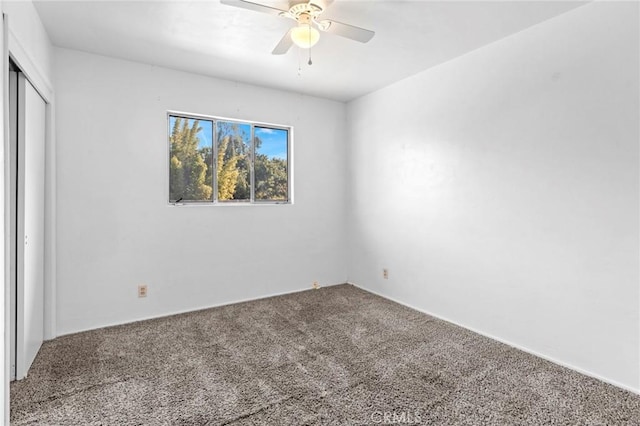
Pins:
<point x="142" y="290"/>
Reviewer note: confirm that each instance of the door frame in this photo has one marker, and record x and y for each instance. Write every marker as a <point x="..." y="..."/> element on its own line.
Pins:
<point x="12" y="212"/>
<point x="32" y="72"/>
<point x="40" y="80"/>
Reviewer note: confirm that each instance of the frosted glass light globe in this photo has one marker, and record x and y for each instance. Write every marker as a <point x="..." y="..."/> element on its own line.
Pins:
<point x="305" y="36"/>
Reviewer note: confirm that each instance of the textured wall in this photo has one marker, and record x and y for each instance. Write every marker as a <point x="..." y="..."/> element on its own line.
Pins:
<point x="500" y="189"/>
<point x="116" y="230"/>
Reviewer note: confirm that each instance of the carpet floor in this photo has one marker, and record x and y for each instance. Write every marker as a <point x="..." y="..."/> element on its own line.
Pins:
<point x="334" y="356"/>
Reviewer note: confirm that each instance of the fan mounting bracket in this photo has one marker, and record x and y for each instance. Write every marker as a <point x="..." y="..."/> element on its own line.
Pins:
<point x="297" y="10"/>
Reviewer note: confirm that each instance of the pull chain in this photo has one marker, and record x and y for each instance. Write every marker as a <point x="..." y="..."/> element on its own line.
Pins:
<point x="310" y="63"/>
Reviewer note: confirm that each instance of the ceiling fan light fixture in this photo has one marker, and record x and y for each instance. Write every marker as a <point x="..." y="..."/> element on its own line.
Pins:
<point x="305" y="36"/>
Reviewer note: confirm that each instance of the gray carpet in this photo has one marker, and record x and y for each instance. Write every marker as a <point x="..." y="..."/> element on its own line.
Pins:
<point x="335" y="356"/>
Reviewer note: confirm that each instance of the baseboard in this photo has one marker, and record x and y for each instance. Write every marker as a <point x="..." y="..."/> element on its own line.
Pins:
<point x="506" y="342"/>
<point x="195" y="309"/>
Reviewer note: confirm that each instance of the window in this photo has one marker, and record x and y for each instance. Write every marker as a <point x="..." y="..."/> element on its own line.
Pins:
<point x="214" y="160"/>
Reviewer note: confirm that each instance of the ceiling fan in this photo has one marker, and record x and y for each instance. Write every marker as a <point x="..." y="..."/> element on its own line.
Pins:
<point x="307" y="14"/>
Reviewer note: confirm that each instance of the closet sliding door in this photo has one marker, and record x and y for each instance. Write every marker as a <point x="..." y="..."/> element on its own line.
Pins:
<point x="30" y="225"/>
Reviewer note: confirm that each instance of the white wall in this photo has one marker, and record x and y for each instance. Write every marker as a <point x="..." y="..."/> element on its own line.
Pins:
<point x="29" y="44"/>
<point x="5" y="307"/>
<point x="115" y="229"/>
<point x="501" y="190"/>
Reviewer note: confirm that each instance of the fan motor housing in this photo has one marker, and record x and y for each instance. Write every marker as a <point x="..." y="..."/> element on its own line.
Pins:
<point x="300" y="7"/>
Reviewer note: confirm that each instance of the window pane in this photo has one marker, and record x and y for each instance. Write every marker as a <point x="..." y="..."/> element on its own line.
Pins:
<point x="271" y="164"/>
<point x="190" y="161"/>
<point x="233" y="161"/>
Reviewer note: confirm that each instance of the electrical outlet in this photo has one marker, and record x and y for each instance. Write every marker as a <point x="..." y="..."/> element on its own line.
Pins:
<point x="142" y="290"/>
<point x="316" y="285"/>
<point x="385" y="273"/>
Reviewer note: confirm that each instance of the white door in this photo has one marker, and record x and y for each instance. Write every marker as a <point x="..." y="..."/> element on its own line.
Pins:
<point x="30" y="226"/>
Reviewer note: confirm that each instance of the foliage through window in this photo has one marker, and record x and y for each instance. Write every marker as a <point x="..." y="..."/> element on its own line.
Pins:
<point x="220" y="161"/>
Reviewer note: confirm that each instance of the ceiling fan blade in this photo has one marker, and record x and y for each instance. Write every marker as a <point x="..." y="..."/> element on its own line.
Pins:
<point x="284" y="45"/>
<point x="256" y="7"/>
<point x="324" y="4"/>
<point x="345" y="30"/>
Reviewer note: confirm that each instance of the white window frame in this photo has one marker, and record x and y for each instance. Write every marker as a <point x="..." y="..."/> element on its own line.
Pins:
<point x="215" y="202"/>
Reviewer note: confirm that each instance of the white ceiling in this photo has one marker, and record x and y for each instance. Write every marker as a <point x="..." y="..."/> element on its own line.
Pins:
<point x="209" y="38"/>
